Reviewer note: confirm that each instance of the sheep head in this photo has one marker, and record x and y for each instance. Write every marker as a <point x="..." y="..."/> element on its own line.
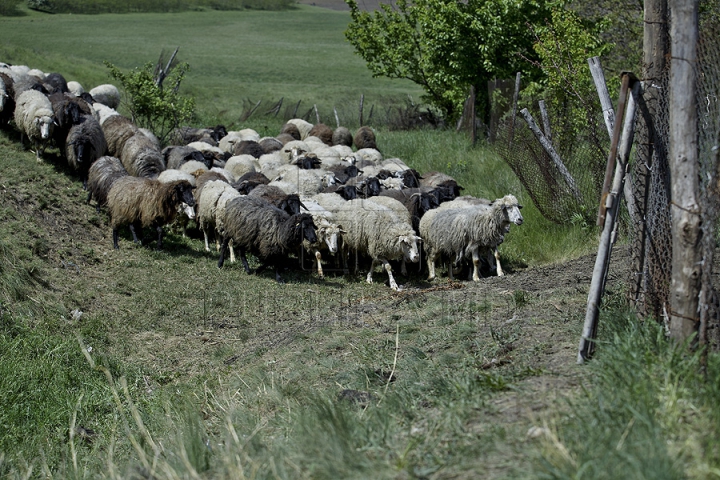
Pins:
<point x="304" y="228"/>
<point x="410" y="247"/>
<point x="329" y="232"/>
<point x="184" y="193"/>
<point x="44" y="125"/>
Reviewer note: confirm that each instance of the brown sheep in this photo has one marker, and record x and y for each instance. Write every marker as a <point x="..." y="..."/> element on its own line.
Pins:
<point x="323" y="132"/>
<point x="142" y="202"/>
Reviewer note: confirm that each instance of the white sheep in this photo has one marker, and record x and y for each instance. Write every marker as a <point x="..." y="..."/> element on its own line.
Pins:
<point x="107" y="94"/>
<point x="239" y="165"/>
<point x="34" y="118"/>
<point x="375" y="230"/>
<point x="207" y="210"/>
<point x="514" y="216"/>
<point x="172" y="174"/>
<point x="75" y="88"/>
<point x="461" y="232"/>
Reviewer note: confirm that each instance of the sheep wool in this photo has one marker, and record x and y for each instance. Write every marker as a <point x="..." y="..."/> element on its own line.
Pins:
<point x="34" y="118"/>
<point x="102" y="174"/>
<point x="144" y="202"/>
<point x="107" y="94"/>
<point x="85" y="143"/>
<point x="140" y="157"/>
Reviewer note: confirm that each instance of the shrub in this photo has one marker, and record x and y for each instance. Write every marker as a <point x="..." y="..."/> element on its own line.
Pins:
<point x="155" y="105"/>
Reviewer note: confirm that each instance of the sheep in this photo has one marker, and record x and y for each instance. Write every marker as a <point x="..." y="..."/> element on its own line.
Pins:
<point x="102" y="112"/>
<point x="248" y="147"/>
<point x="84" y="144"/>
<point x="457" y="232"/>
<point x="303" y="127"/>
<point x="140" y="157"/>
<point x="192" y="166"/>
<point x="286" y="137"/>
<point x="209" y="151"/>
<point x="293" y="149"/>
<point x="187" y="135"/>
<point x="176" y="155"/>
<point x="289" y="203"/>
<point x="449" y="187"/>
<point x="117" y="129"/>
<point x="107" y="94"/>
<point x="7" y="100"/>
<point x="205" y="178"/>
<point x="290" y="129"/>
<point x="365" y="155"/>
<point x="155" y="140"/>
<point x="416" y="202"/>
<point x="250" y="180"/>
<point x="34" y="118"/>
<point x="308" y="161"/>
<point x="240" y="165"/>
<point x="67" y="110"/>
<point x="207" y="209"/>
<point x="344" y="173"/>
<point x="55" y="83"/>
<point x="270" y="144"/>
<point x="101" y="175"/>
<point x="365" y="138"/>
<point x="375" y="230"/>
<point x="171" y="175"/>
<point x="304" y="182"/>
<point x="328" y="232"/>
<point x="270" y="163"/>
<point x="342" y="136"/>
<point x="514" y="216"/>
<point x="143" y="202"/>
<point x="323" y="132"/>
<point x="75" y="88"/>
<point x="254" y="225"/>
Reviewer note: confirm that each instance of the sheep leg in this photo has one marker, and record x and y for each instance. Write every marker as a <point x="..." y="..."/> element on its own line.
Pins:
<point x="115" y="239"/>
<point x="89" y="198"/>
<point x="221" y="260"/>
<point x="207" y="245"/>
<point x="160" y="236"/>
<point x="498" y="267"/>
<point x="372" y="267"/>
<point x="451" y="267"/>
<point x="431" y="267"/>
<point x="476" y="264"/>
<point x="403" y="268"/>
<point x="232" y="251"/>
<point x="388" y="269"/>
<point x="278" y="278"/>
<point x="133" y="229"/>
<point x="318" y="257"/>
<point x="244" y="261"/>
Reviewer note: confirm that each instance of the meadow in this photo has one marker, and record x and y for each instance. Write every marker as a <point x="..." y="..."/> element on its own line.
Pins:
<point x="142" y="364"/>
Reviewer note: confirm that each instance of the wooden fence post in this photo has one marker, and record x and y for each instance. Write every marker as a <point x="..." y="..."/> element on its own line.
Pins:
<point x="607" y="238"/>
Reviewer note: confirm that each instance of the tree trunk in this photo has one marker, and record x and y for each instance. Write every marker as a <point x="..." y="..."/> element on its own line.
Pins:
<point x="685" y="208"/>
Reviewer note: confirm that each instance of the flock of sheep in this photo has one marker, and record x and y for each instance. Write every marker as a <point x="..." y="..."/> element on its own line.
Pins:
<point x="305" y="190"/>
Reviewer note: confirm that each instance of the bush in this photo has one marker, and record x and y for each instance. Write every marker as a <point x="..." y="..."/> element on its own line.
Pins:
<point x="154" y="106"/>
<point x="9" y="8"/>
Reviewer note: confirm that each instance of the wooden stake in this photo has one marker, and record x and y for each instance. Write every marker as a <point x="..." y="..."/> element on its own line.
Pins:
<point x="607" y="239"/>
<point x="553" y="154"/>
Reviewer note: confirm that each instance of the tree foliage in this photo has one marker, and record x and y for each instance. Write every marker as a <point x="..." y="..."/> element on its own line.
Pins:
<point x="154" y="106"/>
<point x="446" y="46"/>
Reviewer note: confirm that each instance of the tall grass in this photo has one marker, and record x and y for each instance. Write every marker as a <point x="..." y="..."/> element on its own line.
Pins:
<point x="650" y="412"/>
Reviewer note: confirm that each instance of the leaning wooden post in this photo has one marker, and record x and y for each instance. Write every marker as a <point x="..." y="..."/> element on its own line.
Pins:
<point x="684" y="204"/>
<point x="607" y="239"/>
<point x="337" y="118"/>
<point x="362" y="102"/>
<point x="609" y="116"/>
<point x="514" y="107"/>
<point x="550" y="150"/>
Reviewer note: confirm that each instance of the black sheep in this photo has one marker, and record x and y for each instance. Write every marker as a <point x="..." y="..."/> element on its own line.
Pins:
<point x="253" y="225"/>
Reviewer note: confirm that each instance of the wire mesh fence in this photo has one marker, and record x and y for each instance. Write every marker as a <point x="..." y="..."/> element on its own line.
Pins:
<point x="584" y="153"/>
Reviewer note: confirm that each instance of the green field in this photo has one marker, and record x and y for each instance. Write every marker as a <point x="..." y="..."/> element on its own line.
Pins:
<point x="236" y="58"/>
<point x="142" y="364"/>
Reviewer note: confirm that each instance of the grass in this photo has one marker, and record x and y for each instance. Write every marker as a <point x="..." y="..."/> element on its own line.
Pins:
<point x="650" y="412"/>
<point x="190" y="371"/>
<point x="236" y="58"/>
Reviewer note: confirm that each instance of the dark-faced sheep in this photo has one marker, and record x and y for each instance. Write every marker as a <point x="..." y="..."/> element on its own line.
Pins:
<point x="255" y="226"/>
<point x="447" y="185"/>
<point x="290" y="129"/>
<point x="248" y="147"/>
<point x="142" y="202"/>
<point x="176" y="155"/>
<point x="288" y="202"/>
<point x="84" y="144"/>
<point x="250" y="180"/>
<point x="7" y="98"/>
<point x="55" y="83"/>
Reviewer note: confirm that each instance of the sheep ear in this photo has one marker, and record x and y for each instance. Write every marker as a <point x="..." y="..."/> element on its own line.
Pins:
<point x="519" y="206"/>
<point x="303" y="206"/>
